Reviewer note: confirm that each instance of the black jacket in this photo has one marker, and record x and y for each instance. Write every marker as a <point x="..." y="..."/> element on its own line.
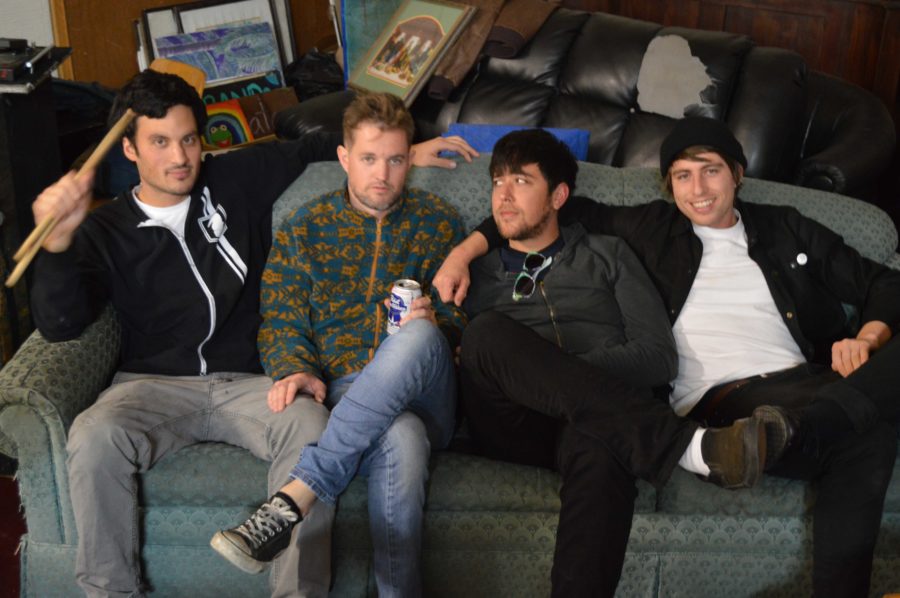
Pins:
<point x="595" y="302"/>
<point x="187" y="306"/>
<point x="811" y="296"/>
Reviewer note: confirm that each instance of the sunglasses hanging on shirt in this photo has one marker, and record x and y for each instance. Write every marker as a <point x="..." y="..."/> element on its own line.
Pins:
<point x="526" y="281"/>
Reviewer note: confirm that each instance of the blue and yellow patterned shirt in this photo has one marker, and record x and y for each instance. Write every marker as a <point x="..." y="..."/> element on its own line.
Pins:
<point x="329" y="271"/>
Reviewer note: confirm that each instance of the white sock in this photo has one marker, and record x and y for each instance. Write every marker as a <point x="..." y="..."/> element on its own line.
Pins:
<point x="692" y="459"/>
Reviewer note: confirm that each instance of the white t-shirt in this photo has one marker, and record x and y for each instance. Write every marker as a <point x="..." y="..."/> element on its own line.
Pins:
<point x="172" y="217"/>
<point x="729" y="327"/>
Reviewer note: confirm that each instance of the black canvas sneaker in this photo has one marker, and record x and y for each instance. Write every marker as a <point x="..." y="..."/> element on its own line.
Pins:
<point x="252" y="545"/>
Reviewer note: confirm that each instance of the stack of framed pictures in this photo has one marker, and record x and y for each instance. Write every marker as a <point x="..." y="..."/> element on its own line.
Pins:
<point x="230" y="40"/>
<point x="410" y="47"/>
<point x="242" y="46"/>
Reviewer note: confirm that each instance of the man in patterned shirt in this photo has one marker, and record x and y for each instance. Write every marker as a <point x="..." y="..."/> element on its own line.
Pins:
<point x="323" y="339"/>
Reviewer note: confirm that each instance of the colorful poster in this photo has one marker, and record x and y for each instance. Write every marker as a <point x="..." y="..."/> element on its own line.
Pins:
<point x="225" y="53"/>
<point x="226" y="125"/>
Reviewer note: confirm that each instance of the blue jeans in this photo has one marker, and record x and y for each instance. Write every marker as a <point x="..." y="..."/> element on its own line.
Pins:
<point x="384" y="420"/>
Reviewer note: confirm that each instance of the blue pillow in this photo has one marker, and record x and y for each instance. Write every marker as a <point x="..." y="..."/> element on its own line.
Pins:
<point x="483" y="137"/>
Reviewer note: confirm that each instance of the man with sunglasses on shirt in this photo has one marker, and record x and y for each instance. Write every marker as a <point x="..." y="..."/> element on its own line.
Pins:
<point x="567" y="335"/>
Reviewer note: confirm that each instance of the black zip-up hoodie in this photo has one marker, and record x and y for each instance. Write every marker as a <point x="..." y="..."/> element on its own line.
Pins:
<point x="187" y="306"/>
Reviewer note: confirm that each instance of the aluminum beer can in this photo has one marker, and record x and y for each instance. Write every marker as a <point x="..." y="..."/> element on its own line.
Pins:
<point x="403" y="293"/>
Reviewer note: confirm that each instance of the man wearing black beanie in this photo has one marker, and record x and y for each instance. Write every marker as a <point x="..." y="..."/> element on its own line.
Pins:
<point x="755" y="295"/>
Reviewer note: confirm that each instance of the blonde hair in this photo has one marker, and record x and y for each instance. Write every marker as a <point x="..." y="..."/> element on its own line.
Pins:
<point x="384" y="110"/>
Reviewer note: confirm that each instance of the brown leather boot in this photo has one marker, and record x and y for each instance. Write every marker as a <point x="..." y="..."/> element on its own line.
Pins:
<point x="781" y="428"/>
<point x="735" y="455"/>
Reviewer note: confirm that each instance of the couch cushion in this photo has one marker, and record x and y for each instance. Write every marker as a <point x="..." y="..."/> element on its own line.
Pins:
<point x="218" y="475"/>
<point x="212" y="475"/>
<point x="784" y="574"/>
<point x="209" y="474"/>
<point x="466" y="483"/>
<point x="686" y="494"/>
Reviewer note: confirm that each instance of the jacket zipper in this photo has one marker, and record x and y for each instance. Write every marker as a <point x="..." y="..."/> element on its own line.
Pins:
<point x="202" y="283"/>
<point x="552" y="314"/>
<point x="209" y="299"/>
<point x="371" y="290"/>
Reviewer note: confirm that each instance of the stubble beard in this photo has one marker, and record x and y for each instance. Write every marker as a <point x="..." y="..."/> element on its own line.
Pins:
<point x="175" y="191"/>
<point x="384" y="208"/>
<point x="527" y="232"/>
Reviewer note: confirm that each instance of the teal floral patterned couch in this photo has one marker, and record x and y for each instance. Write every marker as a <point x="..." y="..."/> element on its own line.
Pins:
<point x="490" y="526"/>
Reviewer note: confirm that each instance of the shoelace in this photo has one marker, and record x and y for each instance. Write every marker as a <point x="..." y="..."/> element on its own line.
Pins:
<point x="268" y="520"/>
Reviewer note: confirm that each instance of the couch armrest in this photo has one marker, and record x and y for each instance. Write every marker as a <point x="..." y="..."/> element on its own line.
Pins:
<point x="42" y="388"/>
<point x="850" y="138"/>
<point x="893" y="261"/>
<point x="321" y="113"/>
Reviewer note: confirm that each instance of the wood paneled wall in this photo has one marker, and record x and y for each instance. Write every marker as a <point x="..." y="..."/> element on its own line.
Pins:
<point x="312" y="26"/>
<point x="102" y="38"/>
<point x="856" y="40"/>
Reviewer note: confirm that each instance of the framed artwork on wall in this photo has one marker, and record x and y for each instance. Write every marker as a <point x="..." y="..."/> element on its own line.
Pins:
<point x="156" y="23"/>
<point x="193" y="17"/>
<point x="410" y="46"/>
<point x="225" y="53"/>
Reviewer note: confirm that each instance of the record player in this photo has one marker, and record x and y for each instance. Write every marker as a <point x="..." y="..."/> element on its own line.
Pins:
<point x="18" y="59"/>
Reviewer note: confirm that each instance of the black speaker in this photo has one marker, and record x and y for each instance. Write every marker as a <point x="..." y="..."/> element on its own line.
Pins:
<point x="29" y="162"/>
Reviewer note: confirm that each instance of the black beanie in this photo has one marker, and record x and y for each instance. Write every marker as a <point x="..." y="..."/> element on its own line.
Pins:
<point x="699" y="130"/>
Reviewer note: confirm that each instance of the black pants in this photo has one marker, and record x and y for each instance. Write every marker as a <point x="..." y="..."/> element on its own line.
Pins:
<point x="526" y="401"/>
<point x="851" y="471"/>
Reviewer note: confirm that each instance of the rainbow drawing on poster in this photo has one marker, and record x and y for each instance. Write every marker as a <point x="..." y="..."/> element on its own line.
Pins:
<point x="226" y="125"/>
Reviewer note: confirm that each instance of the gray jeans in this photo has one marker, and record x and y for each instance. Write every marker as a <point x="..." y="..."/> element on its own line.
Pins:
<point x="140" y="419"/>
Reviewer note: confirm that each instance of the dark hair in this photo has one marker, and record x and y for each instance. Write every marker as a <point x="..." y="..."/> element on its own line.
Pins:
<point x="535" y="146"/>
<point x="693" y="152"/>
<point x="151" y="94"/>
<point x="384" y="110"/>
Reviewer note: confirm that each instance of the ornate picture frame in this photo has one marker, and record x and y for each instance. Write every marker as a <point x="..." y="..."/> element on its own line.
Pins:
<point x="410" y="47"/>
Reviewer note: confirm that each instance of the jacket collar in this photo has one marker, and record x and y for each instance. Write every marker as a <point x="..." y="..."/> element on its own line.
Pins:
<point x="750" y="227"/>
<point x="571" y="234"/>
<point x="137" y="215"/>
<point x="682" y="224"/>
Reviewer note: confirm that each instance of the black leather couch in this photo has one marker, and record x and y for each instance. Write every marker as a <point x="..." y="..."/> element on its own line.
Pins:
<point x="581" y="70"/>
